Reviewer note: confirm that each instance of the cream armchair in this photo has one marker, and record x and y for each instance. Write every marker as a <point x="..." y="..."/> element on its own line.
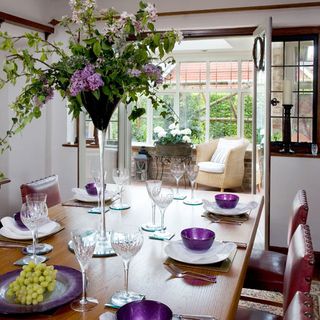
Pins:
<point x="224" y="174"/>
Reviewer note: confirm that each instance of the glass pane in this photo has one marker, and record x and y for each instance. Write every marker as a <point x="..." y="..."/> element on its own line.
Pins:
<point x="305" y="105"/>
<point x="294" y="109"/>
<point x="170" y="77"/>
<point x="294" y="129"/>
<point x="247" y="116"/>
<point x="277" y="54"/>
<point x="291" y="53"/>
<point x="291" y="73"/>
<point x="223" y="115"/>
<point x="306" y="78"/>
<point x="224" y="74"/>
<point x="192" y="113"/>
<point x="112" y="132"/>
<point x="306" y="52"/>
<point x="277" y="110"/>
<point x="139" y="126"/>
<point x="276" y="129"/>
<point x="193" y="75"/>
<point x="89" y="128"/>
<point x="277" y="78"/>
<point x="305" y="130"/>
<point x="246" y="74"/>
<point x="158" y="120"/>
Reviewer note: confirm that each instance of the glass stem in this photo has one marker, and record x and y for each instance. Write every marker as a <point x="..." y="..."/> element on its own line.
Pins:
<point x="192" y="189"/>
<point x="34" y="242"/>
<point x="126" y="275"/>
<point x="84" y="286"/>
<point x="162" y="220"/>
<point x="153" y="218"/>
<point x="177" y="181"/>
<point x="121" y="187"/>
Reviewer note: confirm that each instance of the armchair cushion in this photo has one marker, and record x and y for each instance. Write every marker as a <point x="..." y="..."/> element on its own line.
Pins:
<point x="209" y="166"/>
<point x="224" y="146"/>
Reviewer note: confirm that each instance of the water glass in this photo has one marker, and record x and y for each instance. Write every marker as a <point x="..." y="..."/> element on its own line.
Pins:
<point x="163" y="199"/>
<point x="84" y="242"/>
<point x="126" y="243"/>
<point x="192" y="171"/>
<point x="177" y="170"/>
<point x="120" y="177"/>
<point x="314" y="149"/>
<point x="153" y="187"/>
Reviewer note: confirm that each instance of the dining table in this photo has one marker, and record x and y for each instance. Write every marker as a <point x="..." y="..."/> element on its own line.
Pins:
<point x="148" y="274"/>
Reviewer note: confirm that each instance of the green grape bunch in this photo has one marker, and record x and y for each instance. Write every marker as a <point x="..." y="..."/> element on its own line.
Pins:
<point x="32" y="283"/>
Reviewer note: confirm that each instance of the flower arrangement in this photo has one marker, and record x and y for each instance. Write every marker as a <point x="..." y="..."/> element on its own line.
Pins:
<point x="109" y="57"/>
<point x="173" y="136"/>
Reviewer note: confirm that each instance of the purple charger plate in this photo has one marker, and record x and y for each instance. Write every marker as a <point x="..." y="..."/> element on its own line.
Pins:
<point x="144" y="310"/>
<point x="69" y="287"/>
<point x="17" y="219"/>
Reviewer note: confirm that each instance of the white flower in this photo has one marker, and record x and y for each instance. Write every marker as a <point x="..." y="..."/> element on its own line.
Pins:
<point x="175" y="132"/>
<point x="158" y="129"/>
<point x="186" y="131"/>
<point x="162" y="134"/>
<point x="179" y="35"/>
<point x="186" y="139"/>
<point x="173" y="126"/>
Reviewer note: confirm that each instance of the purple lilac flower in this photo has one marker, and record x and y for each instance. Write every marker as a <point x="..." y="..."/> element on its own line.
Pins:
<point x="154" y="72"/>
<point x="95" y="81"/>
<point x="134" y="72"/>
<point x="152" y="12"/>
<point x="85" y="79"/>
<point x="49" y="92"/>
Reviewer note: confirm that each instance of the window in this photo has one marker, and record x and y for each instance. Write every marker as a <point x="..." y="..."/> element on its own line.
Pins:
<point x="212" y="97"/>
<point x="295" y="58"/>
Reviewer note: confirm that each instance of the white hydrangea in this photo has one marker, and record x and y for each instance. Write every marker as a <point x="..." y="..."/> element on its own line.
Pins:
<point x="173" y="126"/>
<point x="162" y="134"/>
<point x="186" y="139"/>
<point x="186" y="131"/>
<point x="175" y="132"/>
<point x="158" y="129"/>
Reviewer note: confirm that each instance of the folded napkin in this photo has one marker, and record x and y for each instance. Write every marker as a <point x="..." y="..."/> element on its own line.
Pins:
<point x="82" y="195"/>
<point x="10" y="229"/>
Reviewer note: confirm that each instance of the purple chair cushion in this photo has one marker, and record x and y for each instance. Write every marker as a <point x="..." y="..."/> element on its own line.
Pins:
<point x="266" y="270"/>
<point x="48" y="185"/>
<point x="253" y="314"/>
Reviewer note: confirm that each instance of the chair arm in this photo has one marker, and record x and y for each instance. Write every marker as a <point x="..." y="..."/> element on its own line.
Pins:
<point x="206" y="150"/>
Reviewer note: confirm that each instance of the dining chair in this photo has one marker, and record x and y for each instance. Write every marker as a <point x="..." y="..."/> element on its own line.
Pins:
<point x="266" y="268"/>
<point x="48" y="185"/>
<point x="300" y="308"/>
<point x="297" y="277"/>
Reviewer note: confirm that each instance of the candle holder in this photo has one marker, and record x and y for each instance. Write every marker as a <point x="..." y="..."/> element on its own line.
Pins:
<point x="287" y="129"/>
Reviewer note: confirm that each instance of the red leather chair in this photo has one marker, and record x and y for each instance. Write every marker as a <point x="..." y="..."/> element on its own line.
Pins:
<point x="298" y="276"/>
<point x="266" y="268"/>
<point x="48" y="185"/>
<point x="300" y="308"/>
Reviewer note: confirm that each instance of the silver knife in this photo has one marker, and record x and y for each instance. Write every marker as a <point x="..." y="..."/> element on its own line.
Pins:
<point x="192" y="317"/>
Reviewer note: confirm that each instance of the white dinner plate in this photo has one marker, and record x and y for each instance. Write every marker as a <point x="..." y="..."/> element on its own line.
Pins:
<point x="82" y="195"/>
<point x="241" y="208"/>
<point x="218" y="252"/>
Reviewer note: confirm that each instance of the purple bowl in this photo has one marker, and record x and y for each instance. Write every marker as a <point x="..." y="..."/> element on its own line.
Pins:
<point x="17" y="219"/>
<point x="91" y="189"/>
<point x="226" y="200"/>
<point x="144" y="310"/>
<point x="197" y="238"/>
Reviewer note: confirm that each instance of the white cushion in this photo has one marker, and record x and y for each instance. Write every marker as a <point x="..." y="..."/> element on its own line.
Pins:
<point x="209" y="166"/>
<point x="223" y="148"/>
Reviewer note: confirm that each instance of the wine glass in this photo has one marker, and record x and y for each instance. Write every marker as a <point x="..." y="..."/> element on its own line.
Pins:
<point x="163" y="200"/>
<point x="120" y="177"/>
<point x="97" y="180"/>
<point x="177" y="170"/>
<point x="126" y="243"/>
<point x="153" y="187"/>
<point x="192" y="172"/>
<point x="84" y="242"/>
<point x="32" y="213"/>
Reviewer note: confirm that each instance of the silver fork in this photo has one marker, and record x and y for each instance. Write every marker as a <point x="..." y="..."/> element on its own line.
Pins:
<point x="179" y="273"/>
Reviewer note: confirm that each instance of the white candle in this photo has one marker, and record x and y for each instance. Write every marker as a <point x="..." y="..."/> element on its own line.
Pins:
<point x="287" y="92"/>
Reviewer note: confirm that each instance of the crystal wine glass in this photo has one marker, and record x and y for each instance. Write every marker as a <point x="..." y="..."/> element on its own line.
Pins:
<point x="120" y="177"/>
<point x="163" y="200"/>
<point x="192" y="171"/>
<point x="126" y="243"/>
<point x="84" y="242"/>
<point x="97" y="180"/>
<point x="153" y="187"/>
<point x="177" y="170"/>
<point x="41" y="248"/>
<point x="32" y="212"/>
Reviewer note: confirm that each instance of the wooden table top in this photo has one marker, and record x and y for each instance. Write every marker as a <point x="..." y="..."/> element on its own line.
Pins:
<point x="147" y="273"/>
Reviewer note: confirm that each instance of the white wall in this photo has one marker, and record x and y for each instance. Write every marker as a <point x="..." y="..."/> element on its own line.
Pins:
<point x="288" y="175"/>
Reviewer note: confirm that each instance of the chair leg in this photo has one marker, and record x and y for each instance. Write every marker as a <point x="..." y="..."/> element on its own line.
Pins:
<point x="221" y="189"/>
